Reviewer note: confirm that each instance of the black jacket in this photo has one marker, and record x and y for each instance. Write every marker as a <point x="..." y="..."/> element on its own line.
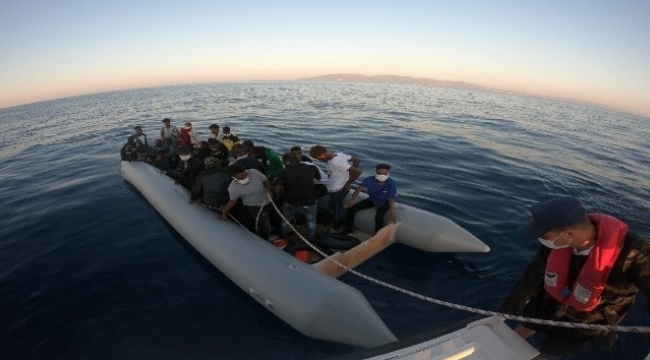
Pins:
<point x="212" y="186"/>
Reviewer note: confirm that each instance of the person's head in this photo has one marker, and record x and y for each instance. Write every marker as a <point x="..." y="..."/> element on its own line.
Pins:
<point x="187" y="125"/>
<point x="318" y="152"/>
<point x="214" y="129"/>
<point x="160" y="155"/>
<point x="213" y="143"/>
<point x="381" y="172"/>
<point x="210" y="162"/>
<point x="238" y="151"/>
<point x="256" y="152"/>
<point x="558" y="223"/>
<point x="226" y="130"/>
<point x="290" y="159"/>
<point x="167" y="121"/>
<point x="138" y="130"/>
<point x="238" y="174"/>
<point x="296" y="151"/>
<point x="248" y="145"/>
<point x="204" y="144"/>
<point x="184" y="152"/>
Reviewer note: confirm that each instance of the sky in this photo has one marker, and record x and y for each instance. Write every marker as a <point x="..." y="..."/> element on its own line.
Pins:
<point x="594" y="51"/>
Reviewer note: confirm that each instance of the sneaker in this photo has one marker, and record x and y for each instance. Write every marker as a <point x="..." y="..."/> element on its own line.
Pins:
<point x="347" y="231"/>
<point x="340" y="231"/>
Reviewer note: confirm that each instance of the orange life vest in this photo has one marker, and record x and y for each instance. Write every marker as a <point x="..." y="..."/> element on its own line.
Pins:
<point x="590" y="283"/>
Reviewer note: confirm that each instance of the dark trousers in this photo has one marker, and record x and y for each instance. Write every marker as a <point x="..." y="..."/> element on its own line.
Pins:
<point x="367" y="204"/>
<point x="263" y="223"/>
<point x="337" y="208"/>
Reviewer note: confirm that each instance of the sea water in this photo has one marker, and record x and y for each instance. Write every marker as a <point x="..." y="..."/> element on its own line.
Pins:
<point x="88" y="270"/>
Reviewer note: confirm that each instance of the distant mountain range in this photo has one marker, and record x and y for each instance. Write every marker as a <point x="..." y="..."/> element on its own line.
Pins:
<point x="392" y="79"/>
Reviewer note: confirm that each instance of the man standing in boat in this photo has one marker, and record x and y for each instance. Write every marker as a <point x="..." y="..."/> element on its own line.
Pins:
<point x="382" y="192"/>
<point x="588" y="271"/>
<point x="297" y="180"/>
<point x="252" y="187"/>
<point x="169" y="135"/>
<point x="341" y="177"/>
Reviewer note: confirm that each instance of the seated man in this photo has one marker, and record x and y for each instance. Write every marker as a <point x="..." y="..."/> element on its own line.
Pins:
<point x="382" y="192"/>
<point x="211" y="185"/>
<point x="128" y="153"/>
<point x="252" y="187"/>
<point x="139" y="143"/>
<point x="229" y="139"/>
<point x="162" y="163"/>
<point x="218" y="150"/>
<point x="297" y="180"/>
<point x="241" y="157"/>
<point x="188" y="168"/>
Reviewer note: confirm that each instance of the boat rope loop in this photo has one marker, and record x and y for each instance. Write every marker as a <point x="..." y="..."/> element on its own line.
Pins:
<point x="616" y="328"/>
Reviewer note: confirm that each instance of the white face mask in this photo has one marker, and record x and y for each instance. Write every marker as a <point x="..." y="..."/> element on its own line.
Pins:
<point x="551" y="243"/>
<point x="244" y="181"/>
<point x="185" y="157"/>
<point x="381" y="178"/>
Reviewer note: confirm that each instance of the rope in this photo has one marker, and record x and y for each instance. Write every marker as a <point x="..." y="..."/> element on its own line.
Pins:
<point x="617" y="328"/>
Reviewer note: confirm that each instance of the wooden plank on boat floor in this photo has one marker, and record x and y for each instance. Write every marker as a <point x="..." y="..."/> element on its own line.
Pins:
<point x="358" y="254"/>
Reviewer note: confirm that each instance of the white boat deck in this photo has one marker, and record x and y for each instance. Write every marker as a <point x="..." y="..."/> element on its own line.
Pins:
<point x="486" y="339"/>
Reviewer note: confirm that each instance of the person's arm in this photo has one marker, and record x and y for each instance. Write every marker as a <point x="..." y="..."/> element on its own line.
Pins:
<point x="197" y="191"/>
<point x="355" y="161"/>
<point x="226" y="210"/>
<point x="391" y="210"/>
<point x="316" y="173"/>
<point x="640" y="269"/>
<point x="354" y="174"/>
<point x="529" y="285"/>
<point x="353" y="199"/>
<point x="267" y="187"/>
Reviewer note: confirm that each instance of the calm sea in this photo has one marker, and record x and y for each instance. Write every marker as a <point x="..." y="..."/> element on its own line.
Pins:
<point x="88" y="270"/>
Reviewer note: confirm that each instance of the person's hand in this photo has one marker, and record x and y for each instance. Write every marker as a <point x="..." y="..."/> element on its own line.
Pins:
<point x="224" y="216"/>
<point x="349" y="203"/>
<point x="524" y="332"/>
<point x="393" y="217"/>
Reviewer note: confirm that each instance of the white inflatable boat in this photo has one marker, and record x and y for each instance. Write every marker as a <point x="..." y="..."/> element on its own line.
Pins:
<point x="307" y="297"/>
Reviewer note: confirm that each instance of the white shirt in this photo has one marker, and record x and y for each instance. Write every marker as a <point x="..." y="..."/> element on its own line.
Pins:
<point x="338" y="172"/>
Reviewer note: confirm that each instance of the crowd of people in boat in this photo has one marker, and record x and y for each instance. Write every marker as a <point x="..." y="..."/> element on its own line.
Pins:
<point x="236" y="178"/>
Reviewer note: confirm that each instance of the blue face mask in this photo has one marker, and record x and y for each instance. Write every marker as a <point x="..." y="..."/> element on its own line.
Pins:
<point x="551" y="243"/>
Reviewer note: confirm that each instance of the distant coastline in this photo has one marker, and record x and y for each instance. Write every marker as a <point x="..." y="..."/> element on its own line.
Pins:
<point x="398" y="79"/>
<point x="394" y="79"/>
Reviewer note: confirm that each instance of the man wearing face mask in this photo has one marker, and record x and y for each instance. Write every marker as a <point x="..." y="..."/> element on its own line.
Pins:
<point x="588" y="271"/>
<point x="382" y="192"/>
<point x="188" y="168"/>
<point x="252" y="187"/>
